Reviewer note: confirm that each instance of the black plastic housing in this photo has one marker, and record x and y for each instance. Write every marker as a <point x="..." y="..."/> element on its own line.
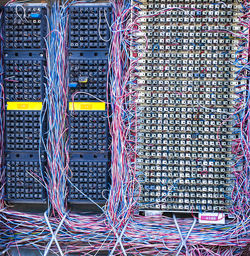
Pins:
<point x="24" y="27"/>
<point x="24" y="173"/>
<point x="89" y="36"/>
<point x="89" y="26"/>
<point x="24" y="79"/>
<point x="94" y="71"/>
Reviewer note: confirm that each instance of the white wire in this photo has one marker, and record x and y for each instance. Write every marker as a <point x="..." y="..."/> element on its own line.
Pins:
<point x="119" y="240"/>
<point x="24" y="12"/>
<point x="99" y="25"/>
<point x="183" y="241"/>
<point x="53" y="238"/>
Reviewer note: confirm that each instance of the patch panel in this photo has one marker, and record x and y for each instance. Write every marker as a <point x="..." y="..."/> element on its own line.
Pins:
<point x="23" y="180"/>
<point x="88" y="131"/>
<point x="186" y="96"/>
<point x="89" y="35"/>
<point x="88" y="79"/>
<point x="23" y="130"/>
<point x="89" y="26"/>
<point x="24" y="79"/>
<point x="24" y="27"/>
<point x="90" y="177"/>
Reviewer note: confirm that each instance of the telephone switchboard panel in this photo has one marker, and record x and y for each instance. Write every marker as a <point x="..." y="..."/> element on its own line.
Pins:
<point x="186" y="98"/>
<point x="89" y="35"/>
<point x="24" y="29"/>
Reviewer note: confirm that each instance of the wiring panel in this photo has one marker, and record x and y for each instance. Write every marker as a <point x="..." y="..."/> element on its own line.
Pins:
<point x="89" y="36"/>
<point x="24" y="79"/>
<point x="23" y="183"/>
<point x="185" y="105"/>
<point x="89" y="26"/>
<point x="24" y="29"/>
<point x="88" y="78"/>
<point x="134" y="129"/>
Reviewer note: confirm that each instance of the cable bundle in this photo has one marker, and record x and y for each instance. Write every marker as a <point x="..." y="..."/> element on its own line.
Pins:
<point x="122" y="107"/>
<point x="240" y="192"/>
<point x="56" y="109"/>
<point x="143" y="235"/>
<point x="119" y="230"/>
<point x="2" y="119"/>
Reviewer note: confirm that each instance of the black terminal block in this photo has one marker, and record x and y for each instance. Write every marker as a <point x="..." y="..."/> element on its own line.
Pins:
<point x="24" y="80"/>
<point x="89" y="35"/>
<point x="23" y="180"/>
<point x="22" y="130"/>
<point x="89" y="26"/>
<point x="24" y="27"/>
<point x="91" y="178"/>
<point x="88" y="131"/>
<point x="88" y="77"/>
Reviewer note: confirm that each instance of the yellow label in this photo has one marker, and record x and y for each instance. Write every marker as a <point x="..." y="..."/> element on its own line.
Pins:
<point x="22" y="105"/>
<point x="84" y="81"/>
<point x="87" y="106"/>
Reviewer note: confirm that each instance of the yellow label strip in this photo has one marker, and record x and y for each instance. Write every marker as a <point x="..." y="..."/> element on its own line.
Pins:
<point x="87" y="106"/>
<point x="22" y="105"/>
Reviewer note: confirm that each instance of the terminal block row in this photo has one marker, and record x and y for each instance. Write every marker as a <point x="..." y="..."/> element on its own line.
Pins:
<point x="88" y="131"/>
<point x="24" y="27"/>
<point x="88" y="79"/>
<point x="89" y="36"/>
<point x="89" y="177"/>
<point x="23" y="180"/>
<point x="24" y="79"/>
<point x="89" y="26"/>
<point x="24" y="30"/>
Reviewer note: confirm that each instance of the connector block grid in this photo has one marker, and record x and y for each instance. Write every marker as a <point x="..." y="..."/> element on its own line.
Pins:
<point x="22" y="181"/>
<point x="24" y="79"/>
<point x="88" y="131"/>
<point x="24" y="27"/>
<point x="89" y="27"/>
<point x="90" y="177"/>
<point x="22" y="130"/>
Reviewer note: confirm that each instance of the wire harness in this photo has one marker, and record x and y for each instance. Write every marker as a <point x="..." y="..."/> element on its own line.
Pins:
<point x="119" y="230"/>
